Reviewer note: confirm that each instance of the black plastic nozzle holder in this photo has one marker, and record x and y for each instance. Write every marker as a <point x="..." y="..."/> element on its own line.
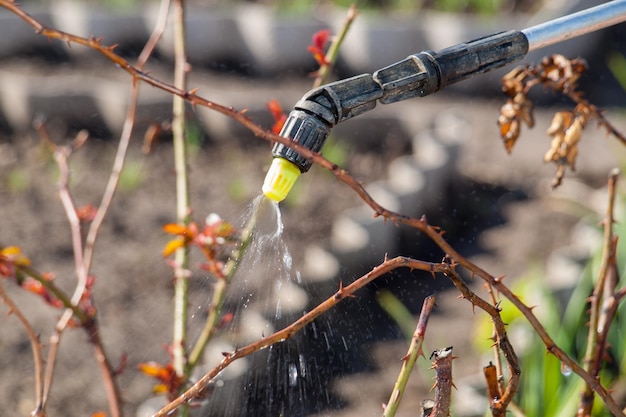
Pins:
<point x="418" y="75"/>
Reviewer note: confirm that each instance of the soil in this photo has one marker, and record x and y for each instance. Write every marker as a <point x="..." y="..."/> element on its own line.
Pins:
<point x="133" y="291"/>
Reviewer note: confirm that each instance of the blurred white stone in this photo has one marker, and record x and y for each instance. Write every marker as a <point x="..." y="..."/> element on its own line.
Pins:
<point x="213" y="355"/>
<point x="319" y="264"/>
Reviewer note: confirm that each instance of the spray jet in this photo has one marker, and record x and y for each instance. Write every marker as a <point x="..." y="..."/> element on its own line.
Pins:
<point x="419" y="75"/>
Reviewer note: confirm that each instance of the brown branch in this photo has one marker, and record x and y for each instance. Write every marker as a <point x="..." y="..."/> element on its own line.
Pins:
<point x="344" y="292"/>
<point x="492" y="379"/>
<point x="39" y="410"/>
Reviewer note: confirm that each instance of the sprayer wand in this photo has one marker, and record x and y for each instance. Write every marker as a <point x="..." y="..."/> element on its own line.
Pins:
<point x="419" y="75"/>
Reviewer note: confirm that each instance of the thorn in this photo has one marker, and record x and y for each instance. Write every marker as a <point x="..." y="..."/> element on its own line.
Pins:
<point x="111" y="48"/>
<point x="405" y="357"/>
<point x="500" y="278"/>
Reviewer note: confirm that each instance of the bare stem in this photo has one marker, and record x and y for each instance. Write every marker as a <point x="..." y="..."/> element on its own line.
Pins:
<point x="181" y="284"/>
<point x="408" y="361"/>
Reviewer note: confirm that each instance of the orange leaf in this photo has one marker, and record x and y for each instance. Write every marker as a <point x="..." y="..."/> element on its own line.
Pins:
<point x="175" y="229"/>
<point x="277" y="113"/>
<point x="14" y="255"/>
<point x="318" y="46"/>
<point x="159" y="389"/>
<point x="172" y="246"/>
<point x="154" y="370"/>
<point x="320" y="39"/>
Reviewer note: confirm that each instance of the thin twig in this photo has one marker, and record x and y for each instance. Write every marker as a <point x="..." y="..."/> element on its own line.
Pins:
<point x="39" y="410"/>
<point x="88" y="323"/>
<point x="408" y="361"/>
<point x="603" y="290"/>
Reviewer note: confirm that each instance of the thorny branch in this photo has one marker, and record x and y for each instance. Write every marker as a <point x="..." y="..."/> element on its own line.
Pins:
<point x="420" y="224"/>
<point x="408" y="361"/>
<point x="499" y="405"/>
<point x="443" y="381"/>
<point x="344" y="292"/>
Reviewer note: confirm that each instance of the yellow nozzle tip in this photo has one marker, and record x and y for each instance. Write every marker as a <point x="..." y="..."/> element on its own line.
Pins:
<point x="279" y="179"/>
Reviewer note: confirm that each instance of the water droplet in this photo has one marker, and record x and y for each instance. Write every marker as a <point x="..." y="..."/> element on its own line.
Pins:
<point x="293" y="375"/>
<point x="279" y="310"/>
<point x="565" y="369"/>
<point x="302" y="365"/>
<point x="345" y="344"/>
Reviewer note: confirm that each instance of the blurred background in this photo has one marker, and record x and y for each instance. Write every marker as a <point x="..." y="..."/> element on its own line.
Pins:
<point x="440" y="156"/>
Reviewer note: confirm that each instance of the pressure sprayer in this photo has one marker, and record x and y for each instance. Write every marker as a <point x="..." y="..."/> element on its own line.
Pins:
<point x="419" y="75"/>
